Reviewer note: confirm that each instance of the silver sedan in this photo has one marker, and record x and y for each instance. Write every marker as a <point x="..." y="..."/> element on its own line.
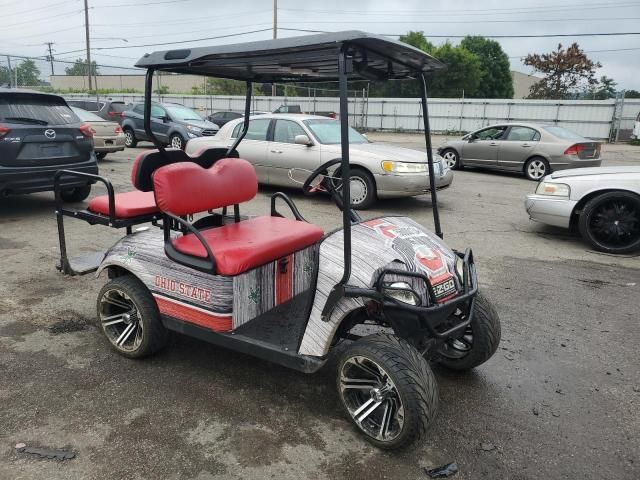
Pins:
<point x="532" y="149"/>
<point x="278" y="144"/>
<point x="603" y="203"/>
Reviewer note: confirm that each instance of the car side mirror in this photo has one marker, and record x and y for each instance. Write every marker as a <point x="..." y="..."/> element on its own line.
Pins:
<point x="470" y="138"/>
<point x="303" y="140"/>
<point x="165" y="119"/>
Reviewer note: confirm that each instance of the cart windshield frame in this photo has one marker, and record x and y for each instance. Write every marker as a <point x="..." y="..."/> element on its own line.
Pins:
<point x="340" y="56"/>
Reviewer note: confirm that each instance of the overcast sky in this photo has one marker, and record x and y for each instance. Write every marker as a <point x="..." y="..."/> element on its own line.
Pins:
<point x="27" y="25"/>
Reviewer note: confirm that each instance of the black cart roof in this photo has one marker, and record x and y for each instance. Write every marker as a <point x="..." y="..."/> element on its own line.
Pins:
<point x="305" y="58"/>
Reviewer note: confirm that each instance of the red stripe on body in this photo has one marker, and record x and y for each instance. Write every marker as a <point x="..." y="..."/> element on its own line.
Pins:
<point x="284" y="281"/>
<point x="181" y="311"/>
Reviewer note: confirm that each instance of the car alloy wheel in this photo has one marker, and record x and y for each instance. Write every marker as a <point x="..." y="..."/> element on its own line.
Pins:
<point x="359" y="190"/>
<point x="371" y="398"/>
<point x="121" y="321"/>
<point x="177" y="142"/>
<point x="536" y="169"/>
<point x="615" y="223"/>
<point x="129" y="139"/>
<point x="450" y="158"/>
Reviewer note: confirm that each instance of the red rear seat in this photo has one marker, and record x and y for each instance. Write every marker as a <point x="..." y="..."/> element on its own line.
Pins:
<point x="238" y="247"/>
<point x="128" y="205"/>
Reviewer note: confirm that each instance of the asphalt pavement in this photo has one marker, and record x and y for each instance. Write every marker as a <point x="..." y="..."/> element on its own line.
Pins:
<point x="559" y="400"/>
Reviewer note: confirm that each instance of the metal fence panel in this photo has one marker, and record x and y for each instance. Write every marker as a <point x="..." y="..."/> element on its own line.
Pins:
<point x="591" y="118"/>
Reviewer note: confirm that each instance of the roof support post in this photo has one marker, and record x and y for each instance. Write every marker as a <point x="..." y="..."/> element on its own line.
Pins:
<point x="427" y="140"/>
<point x="245" y="123"/>
<point x="148" y="90"/>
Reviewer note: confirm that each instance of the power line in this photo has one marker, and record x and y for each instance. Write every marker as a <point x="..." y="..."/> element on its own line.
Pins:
<point x="529" y="20"/>
<point x="550" y="35"/>
<point x="140" y="4"/>
<point x="68" y="62"/>
<point x="43" y="19"/>
<point x="181" y="21"/>
<point x="39" y="9"/>
<point x="595" y="51"/>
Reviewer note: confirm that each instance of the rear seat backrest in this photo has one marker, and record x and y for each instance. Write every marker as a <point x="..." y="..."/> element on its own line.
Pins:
<point x="147" y="162"/>
<point x="185" y="188"/>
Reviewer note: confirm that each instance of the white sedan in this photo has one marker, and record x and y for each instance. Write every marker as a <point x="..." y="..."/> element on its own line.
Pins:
<point x="277" y="143"/>
<point x="603" y="202"/>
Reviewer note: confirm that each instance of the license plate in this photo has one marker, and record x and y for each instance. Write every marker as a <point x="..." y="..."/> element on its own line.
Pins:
<point x="51" y="150"/>
<point x="445" y="288"/>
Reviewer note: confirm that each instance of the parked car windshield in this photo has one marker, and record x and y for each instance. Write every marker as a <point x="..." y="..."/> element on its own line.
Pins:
<point x="182" y="113"/>
<point x="35" y="109"/>
<point x="328" y="132"/>
<point x="563" y="133"/>
<point x="86" y="116"/>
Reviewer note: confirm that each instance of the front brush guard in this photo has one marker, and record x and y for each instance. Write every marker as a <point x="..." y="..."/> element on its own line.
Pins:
<point x="411" y="320"/>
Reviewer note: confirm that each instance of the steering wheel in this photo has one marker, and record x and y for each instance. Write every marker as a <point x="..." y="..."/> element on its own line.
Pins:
<point x="324" y="185"/>
<point x="327" y="185"/>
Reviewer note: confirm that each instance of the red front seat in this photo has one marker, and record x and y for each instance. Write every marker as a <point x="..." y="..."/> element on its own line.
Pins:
<point x="186" y="188"/>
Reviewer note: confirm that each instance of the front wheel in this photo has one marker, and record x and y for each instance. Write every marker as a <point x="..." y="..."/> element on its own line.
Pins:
<point x="177" y="141"/>
<point x="451" y="159"/>
<point x="611" y="222"/>
<point x="477" y="343"/>
<point x="388" y="390"/>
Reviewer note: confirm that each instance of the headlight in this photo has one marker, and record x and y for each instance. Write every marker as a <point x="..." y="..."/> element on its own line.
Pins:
<point x="554" y="189"/>
<point x="403" y="167"/>
<point x="402" y="292"/>
<point x="193" y="129"/>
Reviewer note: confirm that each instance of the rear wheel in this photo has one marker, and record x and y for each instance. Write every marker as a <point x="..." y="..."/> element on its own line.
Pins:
<point x="451" y="158"/>
<point x="129" y="318"/>
<point x="611" y="222"/>
<point x="130" y="139"/>
<point x="535" y="168"/>
<point x="388" y="390"/>
<point x="75" y="194"/>
<point x="477" y="343"/>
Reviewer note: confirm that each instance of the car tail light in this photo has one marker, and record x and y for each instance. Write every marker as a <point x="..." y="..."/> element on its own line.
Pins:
<point x="86" y="130"/>
<point x="115" y="114"/>
<point x="118" y="129"/>
<point x="574" y="149"/>
<point x="4" y="131"/>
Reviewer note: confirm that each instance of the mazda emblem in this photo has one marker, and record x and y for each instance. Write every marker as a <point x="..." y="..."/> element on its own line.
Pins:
<point x="50" y="133"/>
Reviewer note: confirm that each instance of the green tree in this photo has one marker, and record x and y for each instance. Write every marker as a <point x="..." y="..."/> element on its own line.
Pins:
<point x="495" y="77"/>
<point x="461" y="76"/>
<point x="631" y="94"/>
<point x="566" y="72"/>
<point x="5" y="76"/>
<point x="79" y="68"/>
<point x="604" y="89"/>
<point x="28" y="73"/>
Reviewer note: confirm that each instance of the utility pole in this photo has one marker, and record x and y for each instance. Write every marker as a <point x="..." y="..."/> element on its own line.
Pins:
<point x="275" y="35"/>
<point x="50" y="56"/>
<point x="9" y="65"/>
<point x="86" y="31"/>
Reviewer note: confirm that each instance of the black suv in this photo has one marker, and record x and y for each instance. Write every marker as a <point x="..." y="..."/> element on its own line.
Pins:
<point x="39" y="135"/>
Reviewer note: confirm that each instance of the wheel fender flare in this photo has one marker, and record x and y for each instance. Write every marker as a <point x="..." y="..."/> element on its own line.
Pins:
<point x="577" y="209"/>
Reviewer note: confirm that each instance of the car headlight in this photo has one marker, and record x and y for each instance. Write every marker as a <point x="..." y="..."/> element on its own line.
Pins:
<point x="391" y="166"/>
<point x="193" y="129"/>
<point x="554" y="189"/>
<point x="402" y="292"/>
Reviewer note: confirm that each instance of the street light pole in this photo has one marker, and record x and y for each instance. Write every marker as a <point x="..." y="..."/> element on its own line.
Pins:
<point x="86" y="31"/>
<point x="275" y="35"/>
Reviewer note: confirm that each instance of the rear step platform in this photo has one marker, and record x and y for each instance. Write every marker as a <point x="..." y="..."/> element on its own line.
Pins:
<point x="82" y="264"/>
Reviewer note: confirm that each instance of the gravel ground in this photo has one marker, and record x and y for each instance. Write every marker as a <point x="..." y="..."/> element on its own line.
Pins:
<point x="560" y="399"/>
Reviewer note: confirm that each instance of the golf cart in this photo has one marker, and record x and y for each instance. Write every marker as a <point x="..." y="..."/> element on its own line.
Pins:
<point x="385" y="293"/>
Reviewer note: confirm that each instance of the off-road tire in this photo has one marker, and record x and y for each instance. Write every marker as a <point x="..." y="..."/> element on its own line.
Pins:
<point x="591" y="208"/>
<point x="130" y="140"/>
<point x="75" y="194"/>
<point x="485" y="327"/>
<point x="412" y="377"/>
<point x="155" y="335"/>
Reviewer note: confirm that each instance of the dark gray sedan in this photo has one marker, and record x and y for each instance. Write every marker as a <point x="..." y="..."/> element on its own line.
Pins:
<point x="535" y="150"/>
